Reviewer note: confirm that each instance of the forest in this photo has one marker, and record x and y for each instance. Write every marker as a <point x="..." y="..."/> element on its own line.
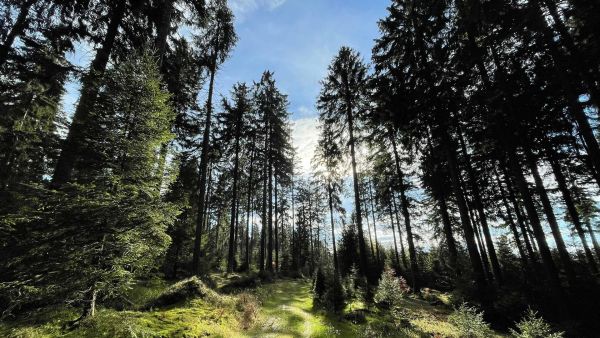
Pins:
<point x="453" y="191"/>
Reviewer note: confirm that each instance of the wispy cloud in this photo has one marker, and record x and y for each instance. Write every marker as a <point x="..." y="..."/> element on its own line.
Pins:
<point x="305" y="135"/>
<point x="241" y="8"/>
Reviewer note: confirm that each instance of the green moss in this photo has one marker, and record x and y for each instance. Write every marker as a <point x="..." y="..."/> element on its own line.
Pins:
<point x="286" y="310"/>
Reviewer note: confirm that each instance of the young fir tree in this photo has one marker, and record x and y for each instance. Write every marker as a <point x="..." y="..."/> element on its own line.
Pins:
<point x="70" y="244"/>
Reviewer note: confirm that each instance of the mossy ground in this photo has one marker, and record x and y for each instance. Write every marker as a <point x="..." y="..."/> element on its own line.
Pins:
<point x="286" y="310"/>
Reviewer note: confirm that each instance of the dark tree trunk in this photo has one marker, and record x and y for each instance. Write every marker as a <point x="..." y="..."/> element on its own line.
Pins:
<point x="511" y="222"/>
<point x="577" y="61"/>
<point x="89" y="309"/>
<point x="560" y="243"/>
<point x="234" y="201"/>
<point x="263" y="231"/>
<point x="394" y="233"/>
<point x="276" y="218"/>
<point x="217" y="251"/>
<point x="571" y="209"/>
<point x="358" y="211"/>
<point x="248" y="207"/>
<point x="520" y="218"/>
<point x="463" y="210"/>
<point x="71" y="149"/>
<point x="335" y="257"/>
<point x="203" y="171"/>
<point x="485" y="261"/>
<point x="270" y="216"/>
<point x="449" y="233"/>
<point x="163" y="29"/>
<point x="206" y="219"/>
<point x="311" y="238"/>
<point x="571" y="85"/>
<point x="480" y="209"/>
<point x="374" y="221"/>
<point x="369" y="229"/>
<point x="540" y="236"/>
<point x="596" y="245"/>
<point x="19" y="27"/>
<point x="412" y="252"/>
<point x="397" y="214"/>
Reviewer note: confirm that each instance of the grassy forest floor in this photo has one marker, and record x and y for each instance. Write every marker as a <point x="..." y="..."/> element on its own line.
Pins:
<point x="283" y="308"/>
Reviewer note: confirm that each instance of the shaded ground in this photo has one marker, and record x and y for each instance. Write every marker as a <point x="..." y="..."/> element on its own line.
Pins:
<point x="286" y="310"/>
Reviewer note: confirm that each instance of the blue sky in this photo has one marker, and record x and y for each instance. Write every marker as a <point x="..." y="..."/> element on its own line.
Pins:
<point x="297" y="39"/>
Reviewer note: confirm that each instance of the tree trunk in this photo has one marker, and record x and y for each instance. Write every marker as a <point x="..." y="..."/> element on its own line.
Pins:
<point x="402" y="251"/>
<point x="234" y="198"/>
<point x="596" y="245"/>
<point x="480" y="210"/>
<point x="520" y="218"/>
<point x="540" y="236"/>
<point x="276" y="218"/>
<point x="203" y="172"/>
<point x="270" y="216"/>
<point x="263" y="231"/>
<point x="163" y="29"/>
<point x="511" y="222"/>
<point x="394" y="233"/>
<point x="578" y="62"/>
<point x="463" y="210"/>
<point x="248" y="207"/>
<point x="571" y="209"/>
<point x="560" y="244"/>
<point x="374" y="222"/>
<point x="449" y="234"/>
<point x="571" y="85"/>
<point x="311" y="238"/>
<point x="482" y="249"/>
<point x="21" y="24"/>
<point x="369" y="229"/>
<point x="89" y="308"/>
<point x="89" y="91"/>
<point x="412" y="252"/>
<point x="361" y="239"/>
<point x="335" y="257"/>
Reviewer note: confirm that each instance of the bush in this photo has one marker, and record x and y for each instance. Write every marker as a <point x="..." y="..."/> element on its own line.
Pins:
<point x="334" y="297"/>
<point x="391" y="289"/>
<point x="186" y="289"/>
<point x="534" y="326"/>
<point x="319" y="286"/>
<point x="356" y="316"/>
<point x="248" y="305"/>
<point x="328" y="291"/>
<point x="470" y="322"/>
<point x="350" y="283"/>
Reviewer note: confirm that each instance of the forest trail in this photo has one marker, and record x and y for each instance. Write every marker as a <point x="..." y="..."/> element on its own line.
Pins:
<point x="287" y="311"/>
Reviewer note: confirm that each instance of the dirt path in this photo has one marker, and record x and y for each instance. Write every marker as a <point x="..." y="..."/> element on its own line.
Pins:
<point x="287" y="311"/>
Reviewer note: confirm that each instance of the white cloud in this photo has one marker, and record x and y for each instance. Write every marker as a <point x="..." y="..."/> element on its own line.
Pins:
<point x="304" y="112"/>
<point x="243" y="7"/>
<point x="305" y="135"/>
